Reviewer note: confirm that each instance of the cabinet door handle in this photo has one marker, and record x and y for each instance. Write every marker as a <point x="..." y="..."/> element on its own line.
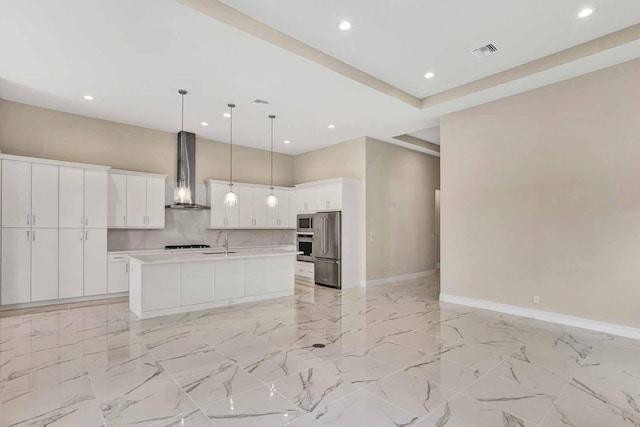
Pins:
<point x="28" y="235"/>
<point x="126" y="267"/>
<point x="81" y="235"/>
<point x="86" y="235"/>
<point x="86" y="221"/>
<point x="33" y="234"/>
<point x="124" y="219"/>
<point x="28" y="219"/>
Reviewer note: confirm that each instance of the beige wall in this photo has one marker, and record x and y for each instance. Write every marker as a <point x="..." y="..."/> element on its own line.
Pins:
<point x="400" y="210"/>
<point x="38" y="132"/>
<point x="341" y="160"/>
<point x="541" y="196"/>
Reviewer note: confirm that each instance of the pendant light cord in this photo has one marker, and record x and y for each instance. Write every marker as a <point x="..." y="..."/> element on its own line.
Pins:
<point x="231" y="143"/>
<point x="182" y="122"/>
<point x="272" y="117"/>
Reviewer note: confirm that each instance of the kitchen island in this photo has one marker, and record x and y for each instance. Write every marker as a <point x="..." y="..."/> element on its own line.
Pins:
<point x="171" y="283"/>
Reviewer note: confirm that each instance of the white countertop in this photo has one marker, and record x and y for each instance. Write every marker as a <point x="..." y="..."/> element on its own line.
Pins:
<point x="206" y="255"/>
<point x="151" y="251"/>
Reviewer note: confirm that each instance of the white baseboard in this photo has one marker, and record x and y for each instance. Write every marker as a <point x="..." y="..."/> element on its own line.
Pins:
<point x="388" y="280"/>
<point x="547" y="316"/>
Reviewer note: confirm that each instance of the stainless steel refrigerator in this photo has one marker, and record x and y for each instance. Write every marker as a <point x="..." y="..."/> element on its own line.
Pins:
<point x="327" y="242"/>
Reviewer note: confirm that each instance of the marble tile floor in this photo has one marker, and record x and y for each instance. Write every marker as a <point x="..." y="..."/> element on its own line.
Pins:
<point x="392" y="356"/>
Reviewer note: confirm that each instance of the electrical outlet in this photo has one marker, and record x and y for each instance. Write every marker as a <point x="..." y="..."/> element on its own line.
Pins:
<point x="536" y="299"/>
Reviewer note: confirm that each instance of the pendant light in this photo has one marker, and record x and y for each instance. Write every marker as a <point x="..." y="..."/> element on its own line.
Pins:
<point x="182" y="192"/>
<point x="272" y="199"/>
<point x="231" y="198"/>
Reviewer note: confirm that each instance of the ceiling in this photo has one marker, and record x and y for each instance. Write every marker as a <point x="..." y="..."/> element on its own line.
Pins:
<point x="133" y="56"/>
<point x="399" y="41"/>
<point x="431" y="135"/>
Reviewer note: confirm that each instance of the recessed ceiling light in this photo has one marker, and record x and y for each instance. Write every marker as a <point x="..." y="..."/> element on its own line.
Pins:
<point x="587" y="11"/>
<point x="331" y="126"/>
<point x="204" y="124"/>
<point x="227" y="115"/>
<point x="429" y="75"/>
<point x="286" y="141"/>
<point x="344" y="25"/>
<point x="88" y="97"/>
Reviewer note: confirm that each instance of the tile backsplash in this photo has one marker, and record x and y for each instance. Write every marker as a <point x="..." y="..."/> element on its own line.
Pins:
<point x="190" y="227"/>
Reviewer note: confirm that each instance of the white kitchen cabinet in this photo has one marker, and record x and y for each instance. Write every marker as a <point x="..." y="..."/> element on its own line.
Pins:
<point x="155" y="202"/>
<point x="44" y="264"/>
<point x="71" y="197"/>
<point x="136" y="201"/>
<point x="95" y="261"/>
<point x="253" y="206"/>
<point x="117" y="197"/>
<point x="71" y="263"/>
<point x="16" y="265"/>
<point x="280" y="216"/>
<point x="16" y="193"/>
<point x="44" y="196"/>
<point x="118" y="274"/>
<point x="281" y="273"/>
<point x="221" y="215"/>
<point x="95" y="199"/>
<point x="161" y="287"/>
<point x="196" y="280"/>
<point x="256" y="282"/>
<point x="305" y="199"/>
<point x="329" y="196"/>
<point x="228" y="279"/>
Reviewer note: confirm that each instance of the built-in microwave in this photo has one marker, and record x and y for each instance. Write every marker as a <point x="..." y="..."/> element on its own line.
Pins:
<point x="305" y="223"/>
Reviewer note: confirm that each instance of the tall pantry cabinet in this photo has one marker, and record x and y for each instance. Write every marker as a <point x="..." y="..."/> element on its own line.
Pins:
<point x="54" y="230"/>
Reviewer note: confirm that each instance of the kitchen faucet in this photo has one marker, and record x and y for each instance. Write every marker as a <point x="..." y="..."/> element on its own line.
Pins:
<point x="226" y="243"/>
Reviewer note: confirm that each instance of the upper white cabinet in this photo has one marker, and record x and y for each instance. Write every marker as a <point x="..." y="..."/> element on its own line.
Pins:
<point x="329" y="196"/>
<point x="83" y="198"/>
<point x="95" y="199"/>
<point x="222" y="216"/>
<point x="305" y="200"/>
<point x="117" y="196"/>
<point x="252" y="210"/>
<point x="280" y="216"/>
<point x="155" y="202"/>
<point x="16" y="193"/>
<point x="71" y="197"/>
<point x="136" y="200"/>
<point x="253" y="206"/>
<point x="319" y="196"/>
<point x="44" y="196"/>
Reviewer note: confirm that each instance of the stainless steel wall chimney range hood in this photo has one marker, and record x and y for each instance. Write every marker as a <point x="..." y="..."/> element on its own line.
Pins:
<point x="186" y="172"/>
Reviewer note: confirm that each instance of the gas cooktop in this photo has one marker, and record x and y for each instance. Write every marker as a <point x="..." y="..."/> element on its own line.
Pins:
<point x="187" y="246"/>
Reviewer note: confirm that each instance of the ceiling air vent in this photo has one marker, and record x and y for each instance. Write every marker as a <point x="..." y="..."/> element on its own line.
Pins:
<point x="483" y="51"/>
<point x="259" y="101"/>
